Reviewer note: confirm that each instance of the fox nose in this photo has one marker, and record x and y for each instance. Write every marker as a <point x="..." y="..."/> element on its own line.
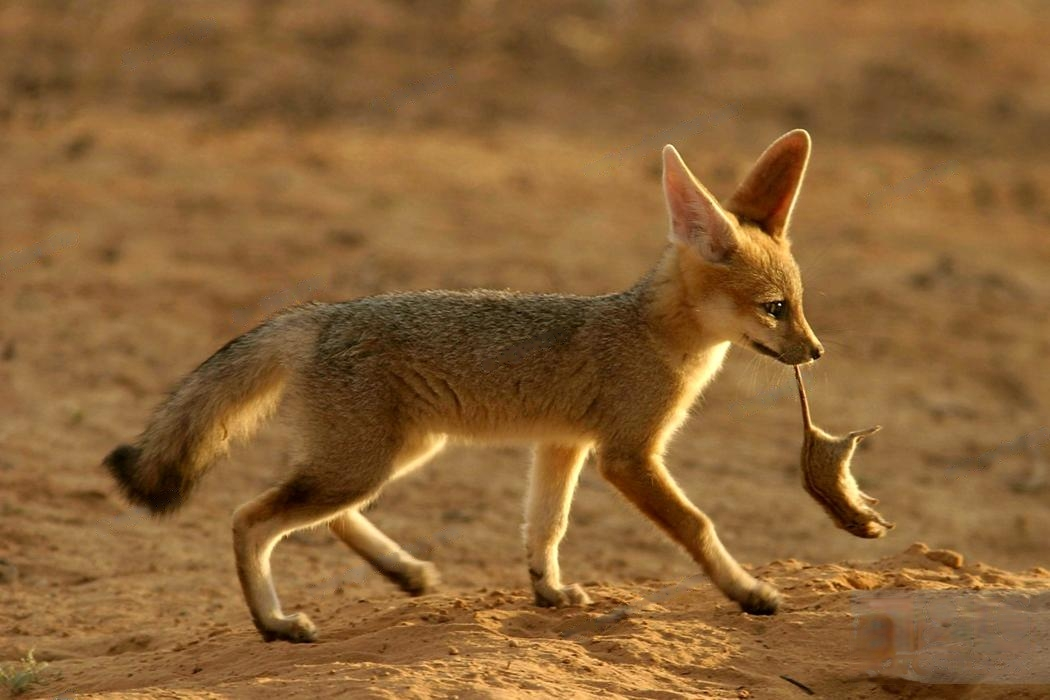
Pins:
<point x="817" y="351"/>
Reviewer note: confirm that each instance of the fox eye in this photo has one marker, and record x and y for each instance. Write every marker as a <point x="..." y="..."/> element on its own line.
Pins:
<point x="774" y="309"/>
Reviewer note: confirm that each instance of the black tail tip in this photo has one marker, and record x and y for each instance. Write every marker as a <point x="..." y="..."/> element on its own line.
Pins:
<point x="121" y="464"/>
<point x="124" y="464"/>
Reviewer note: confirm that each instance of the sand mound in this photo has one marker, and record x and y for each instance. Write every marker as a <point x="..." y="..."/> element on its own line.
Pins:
<point x="691" y="643"/>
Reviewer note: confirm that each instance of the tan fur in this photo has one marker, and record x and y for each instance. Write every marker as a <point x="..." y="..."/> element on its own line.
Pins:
<point x="827" y="477"/>
<point x="377" y="385"/>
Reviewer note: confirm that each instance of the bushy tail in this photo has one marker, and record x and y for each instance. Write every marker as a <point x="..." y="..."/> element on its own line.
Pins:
<point x="227" y="396"/>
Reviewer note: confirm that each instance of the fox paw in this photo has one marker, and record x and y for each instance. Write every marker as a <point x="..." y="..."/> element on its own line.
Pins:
<point x="561" y="597"/>
<point x="416" y="581"/>
<point x="763" y="599"/>
<point x="296" y="628"/>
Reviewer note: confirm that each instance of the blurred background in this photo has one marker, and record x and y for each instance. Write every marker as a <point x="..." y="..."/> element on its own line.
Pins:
<point x="173" y="172"/>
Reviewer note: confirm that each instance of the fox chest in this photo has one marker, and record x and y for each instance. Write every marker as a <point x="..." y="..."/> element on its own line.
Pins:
<point x="691" y="384"/>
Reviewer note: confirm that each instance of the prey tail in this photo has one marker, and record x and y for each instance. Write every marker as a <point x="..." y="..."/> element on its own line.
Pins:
<point x="803" y="400"/>
<point x="226" y="396"/>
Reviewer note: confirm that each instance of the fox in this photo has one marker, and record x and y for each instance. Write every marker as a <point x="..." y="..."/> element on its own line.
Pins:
<point x="374" y="387"/>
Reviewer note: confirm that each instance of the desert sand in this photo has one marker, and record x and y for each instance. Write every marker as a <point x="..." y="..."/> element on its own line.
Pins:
<point x="174" y="173"/>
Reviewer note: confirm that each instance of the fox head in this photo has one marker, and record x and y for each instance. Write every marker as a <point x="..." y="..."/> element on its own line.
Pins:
<point x="735" y="259"/>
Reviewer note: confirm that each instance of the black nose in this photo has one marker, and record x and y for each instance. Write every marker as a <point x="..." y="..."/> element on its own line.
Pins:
<point x="816" y="352"/>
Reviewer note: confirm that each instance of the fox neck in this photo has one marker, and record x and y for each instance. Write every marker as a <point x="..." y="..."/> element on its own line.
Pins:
<point x="671" y="308"/>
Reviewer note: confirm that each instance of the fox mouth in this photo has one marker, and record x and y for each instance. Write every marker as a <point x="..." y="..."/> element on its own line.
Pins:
<point x="764" y="349"/>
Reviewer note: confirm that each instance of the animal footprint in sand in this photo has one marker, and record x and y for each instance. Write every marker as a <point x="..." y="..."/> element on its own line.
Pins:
<point x="827" y="477"/>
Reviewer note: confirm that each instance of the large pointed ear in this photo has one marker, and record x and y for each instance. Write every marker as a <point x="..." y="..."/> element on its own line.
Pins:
<point x="768" y="193"/>
<point x="697" y="219"/>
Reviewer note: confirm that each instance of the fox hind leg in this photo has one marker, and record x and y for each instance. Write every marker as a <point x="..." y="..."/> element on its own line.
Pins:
<point x="344" y="473"/>
<point x="257" y="528"/>
<point x="336" y="478"/>
<point x="552" y="482"/>
<point x="414" y="576"/>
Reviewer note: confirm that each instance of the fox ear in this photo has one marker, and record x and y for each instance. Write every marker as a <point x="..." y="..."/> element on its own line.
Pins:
<point x="768" y="193"/>
<point x="697" y="219"/>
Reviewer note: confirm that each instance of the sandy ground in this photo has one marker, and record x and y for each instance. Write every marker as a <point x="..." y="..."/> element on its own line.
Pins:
<point x="171" y="174"/>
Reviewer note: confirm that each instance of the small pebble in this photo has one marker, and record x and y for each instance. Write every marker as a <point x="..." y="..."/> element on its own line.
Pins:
<point x="947" y="557"/>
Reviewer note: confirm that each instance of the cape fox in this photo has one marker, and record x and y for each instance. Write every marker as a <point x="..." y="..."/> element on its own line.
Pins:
<point x="376" y="386"/>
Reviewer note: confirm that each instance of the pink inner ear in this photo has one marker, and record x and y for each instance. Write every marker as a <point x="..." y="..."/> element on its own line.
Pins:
<point x="766" y="199"/>
<point x="696" y="218"/>
<point x="768" y="193"/>
<point x="681" y="210"/>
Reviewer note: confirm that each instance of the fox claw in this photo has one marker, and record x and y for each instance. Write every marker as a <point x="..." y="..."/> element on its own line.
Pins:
<point x="295" y="628"/>
<point x="416" y="582"/>
<point x="763" y="599"/>
<point x="563" y="597"/>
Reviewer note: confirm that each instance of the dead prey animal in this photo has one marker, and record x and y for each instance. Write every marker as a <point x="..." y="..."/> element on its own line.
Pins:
<point x="827" y="478"/>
